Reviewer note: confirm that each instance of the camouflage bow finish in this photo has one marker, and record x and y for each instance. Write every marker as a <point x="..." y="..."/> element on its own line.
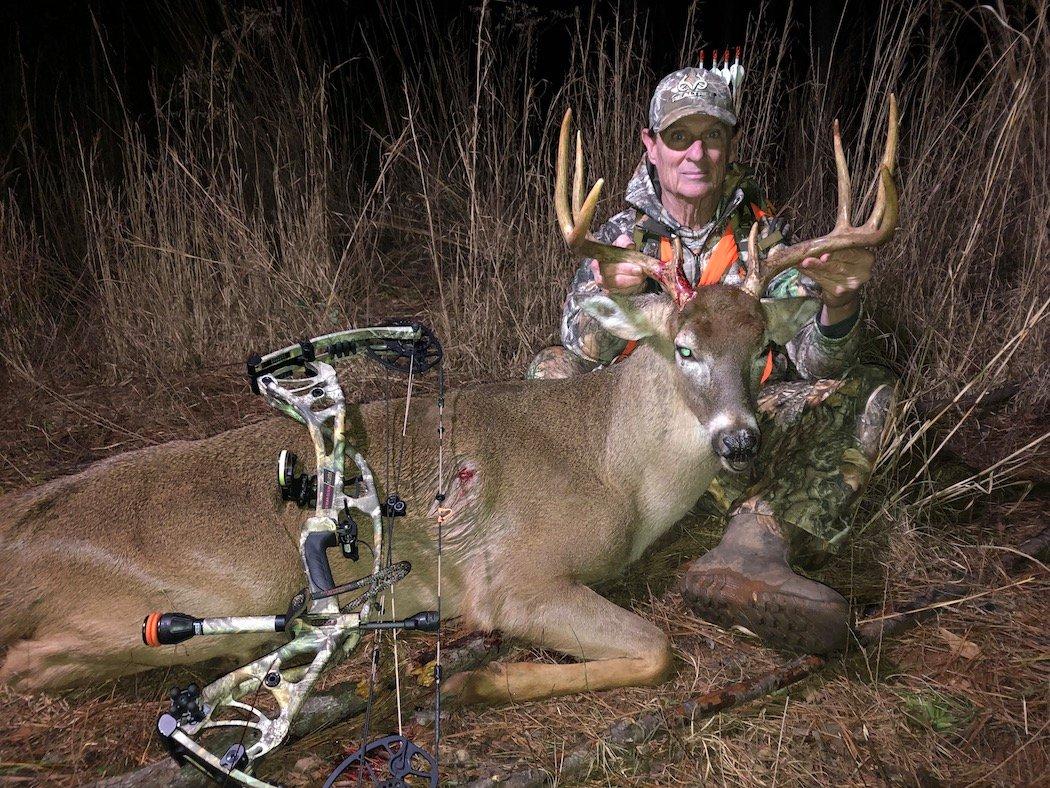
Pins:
<point x="298" y="382"/>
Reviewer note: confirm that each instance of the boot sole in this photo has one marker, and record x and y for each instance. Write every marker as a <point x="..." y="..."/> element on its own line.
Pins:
<point x="782" y="620"/>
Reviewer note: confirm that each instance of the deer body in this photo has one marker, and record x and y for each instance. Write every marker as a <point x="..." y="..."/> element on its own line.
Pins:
<point x="552" y="484"/>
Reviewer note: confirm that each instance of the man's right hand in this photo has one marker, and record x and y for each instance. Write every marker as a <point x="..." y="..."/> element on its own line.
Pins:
<point x="619" y="278"/>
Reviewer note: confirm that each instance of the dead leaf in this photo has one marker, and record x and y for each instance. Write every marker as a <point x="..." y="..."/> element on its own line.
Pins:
<point x="21" y="734"/>
<point x="959" y="645"/>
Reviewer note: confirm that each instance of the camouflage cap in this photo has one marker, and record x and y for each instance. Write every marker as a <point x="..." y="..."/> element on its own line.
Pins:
<point x="690" y="91"/>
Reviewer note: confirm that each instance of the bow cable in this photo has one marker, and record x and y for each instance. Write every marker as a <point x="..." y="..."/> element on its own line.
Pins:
<point x="394" y="455"/>
<point x="442" y="513"/>
<point x="390" y="546"/>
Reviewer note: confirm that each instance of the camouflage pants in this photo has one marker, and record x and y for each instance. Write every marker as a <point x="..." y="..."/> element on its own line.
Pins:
<point x="556" y="362"/>
<point x="814" y="460"/>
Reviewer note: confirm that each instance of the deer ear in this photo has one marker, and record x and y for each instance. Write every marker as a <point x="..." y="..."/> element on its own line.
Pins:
<point x="620" y="318"/>
<point x="785" y="317"/>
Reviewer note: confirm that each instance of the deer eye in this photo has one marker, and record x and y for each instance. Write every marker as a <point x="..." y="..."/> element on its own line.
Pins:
<point x="683" y="351"/>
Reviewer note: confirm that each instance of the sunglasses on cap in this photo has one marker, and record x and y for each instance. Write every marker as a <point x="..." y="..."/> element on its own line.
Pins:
<point x="680" y="138"/>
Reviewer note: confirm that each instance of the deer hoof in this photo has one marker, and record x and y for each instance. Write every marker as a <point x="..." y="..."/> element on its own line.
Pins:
<point x="872" y="421"/>
<point x="473" y="688"/>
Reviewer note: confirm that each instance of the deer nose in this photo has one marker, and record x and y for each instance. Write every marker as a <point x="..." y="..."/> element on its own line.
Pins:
<point x="737" y="447"/>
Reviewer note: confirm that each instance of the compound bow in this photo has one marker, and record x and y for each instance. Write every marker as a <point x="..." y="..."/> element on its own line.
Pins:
<point x="298" y="381"/>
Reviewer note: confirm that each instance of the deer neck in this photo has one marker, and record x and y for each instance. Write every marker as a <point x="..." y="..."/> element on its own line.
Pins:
<point x="655" y="446"/>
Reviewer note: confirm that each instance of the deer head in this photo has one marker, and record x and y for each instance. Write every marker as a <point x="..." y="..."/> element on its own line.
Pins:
<point x="712" y="352"/>
<point x="715" y="338"/>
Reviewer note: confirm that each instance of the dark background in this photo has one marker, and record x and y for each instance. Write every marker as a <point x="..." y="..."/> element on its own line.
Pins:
<point x="60" y="61"/>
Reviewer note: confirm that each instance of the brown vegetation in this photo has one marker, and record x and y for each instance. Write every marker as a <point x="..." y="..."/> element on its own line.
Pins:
<point x="140" y="263"/>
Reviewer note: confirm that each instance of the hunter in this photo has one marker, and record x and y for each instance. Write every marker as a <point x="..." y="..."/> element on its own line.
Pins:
<point x="821" y="414"/>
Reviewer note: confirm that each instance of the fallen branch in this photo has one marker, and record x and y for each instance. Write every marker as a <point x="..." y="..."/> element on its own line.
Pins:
<point x="627" y="735"/>
<point x="322" y="710"/>
<point x="992" y="399"/>
<point x="923" y="606"/>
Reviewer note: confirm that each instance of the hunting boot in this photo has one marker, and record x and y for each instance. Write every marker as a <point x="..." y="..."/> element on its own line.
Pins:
<point x="747" y="581"/>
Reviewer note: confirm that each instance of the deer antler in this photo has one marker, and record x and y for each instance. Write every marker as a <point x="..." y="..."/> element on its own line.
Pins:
<point x="575" y="219"/>
<point x="877" y="230"/>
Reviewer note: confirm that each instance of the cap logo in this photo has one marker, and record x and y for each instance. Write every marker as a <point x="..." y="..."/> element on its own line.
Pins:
<point x="689" y="85"/>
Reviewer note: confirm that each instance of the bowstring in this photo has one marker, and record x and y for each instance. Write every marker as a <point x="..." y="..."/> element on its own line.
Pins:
<point x="394" y="451"/>
<point x="377" y="634"/>
<point x="440" y="499"/>
<point x="393" y="455"/>
<point x="390" y="540"/>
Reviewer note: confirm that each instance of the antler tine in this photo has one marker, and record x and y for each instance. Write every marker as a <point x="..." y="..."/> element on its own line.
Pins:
<point x="577" y="179"/>
<point x="889" y="162"/>
<point x="884" y="222"/>
<point x="574" y="222"/>
<point x="576" y="214"/>
<point x="874" y="232"/>
<point x="561" y="177"/>
<point x="889" y="155"/>
<point x="753" y="280"/>
<point x="845" y="187"/>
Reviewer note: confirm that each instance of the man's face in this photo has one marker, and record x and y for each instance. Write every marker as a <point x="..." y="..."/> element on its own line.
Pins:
<point x="691" y="156"/>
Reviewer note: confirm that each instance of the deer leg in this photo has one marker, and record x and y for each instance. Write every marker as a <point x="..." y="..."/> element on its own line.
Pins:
<point x="616" y="647"/>
<point x="54" y="662"/>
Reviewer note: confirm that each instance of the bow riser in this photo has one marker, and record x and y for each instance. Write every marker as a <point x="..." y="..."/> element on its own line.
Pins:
<point x="298" y="383"/>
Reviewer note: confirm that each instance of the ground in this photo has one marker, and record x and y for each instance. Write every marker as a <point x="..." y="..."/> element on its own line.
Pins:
<point x="961" y="699"/>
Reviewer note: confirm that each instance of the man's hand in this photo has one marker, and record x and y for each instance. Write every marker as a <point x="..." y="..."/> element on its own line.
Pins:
<point x="619" y="278"/>
<point x="840" y="275"/>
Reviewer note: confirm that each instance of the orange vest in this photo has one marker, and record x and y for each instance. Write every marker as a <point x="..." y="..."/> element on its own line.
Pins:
<point x="725" y="253"/>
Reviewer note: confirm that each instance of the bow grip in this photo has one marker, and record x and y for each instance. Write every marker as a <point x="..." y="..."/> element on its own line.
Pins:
<point x="318" y="570"/>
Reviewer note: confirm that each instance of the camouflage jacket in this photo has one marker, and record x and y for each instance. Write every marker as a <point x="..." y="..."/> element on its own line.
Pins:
<point x="816" y="351"/>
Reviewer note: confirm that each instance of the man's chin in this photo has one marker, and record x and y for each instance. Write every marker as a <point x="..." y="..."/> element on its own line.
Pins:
<point x="694" y="191"/>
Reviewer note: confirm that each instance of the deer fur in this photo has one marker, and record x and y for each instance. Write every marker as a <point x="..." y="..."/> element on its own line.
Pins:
<point x="553" y="485"/>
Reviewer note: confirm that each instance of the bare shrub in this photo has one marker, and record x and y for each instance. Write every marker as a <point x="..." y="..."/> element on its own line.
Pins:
<point x="249" y="213"/>
<point x="25" y="315"/>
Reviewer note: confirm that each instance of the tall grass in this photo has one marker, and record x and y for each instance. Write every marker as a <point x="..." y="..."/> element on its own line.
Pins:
<point x="245" y="211"/>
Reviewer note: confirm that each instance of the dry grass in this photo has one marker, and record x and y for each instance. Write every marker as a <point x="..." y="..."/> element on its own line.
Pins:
<point x="249" y="210"/>
<point x="141" y="261"/>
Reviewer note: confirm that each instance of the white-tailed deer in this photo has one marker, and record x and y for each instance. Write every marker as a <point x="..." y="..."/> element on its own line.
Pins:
<point x="553" y="485"/>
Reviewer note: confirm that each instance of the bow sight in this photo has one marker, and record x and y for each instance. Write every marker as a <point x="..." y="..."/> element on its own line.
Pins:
<point x="299" y="382"/>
